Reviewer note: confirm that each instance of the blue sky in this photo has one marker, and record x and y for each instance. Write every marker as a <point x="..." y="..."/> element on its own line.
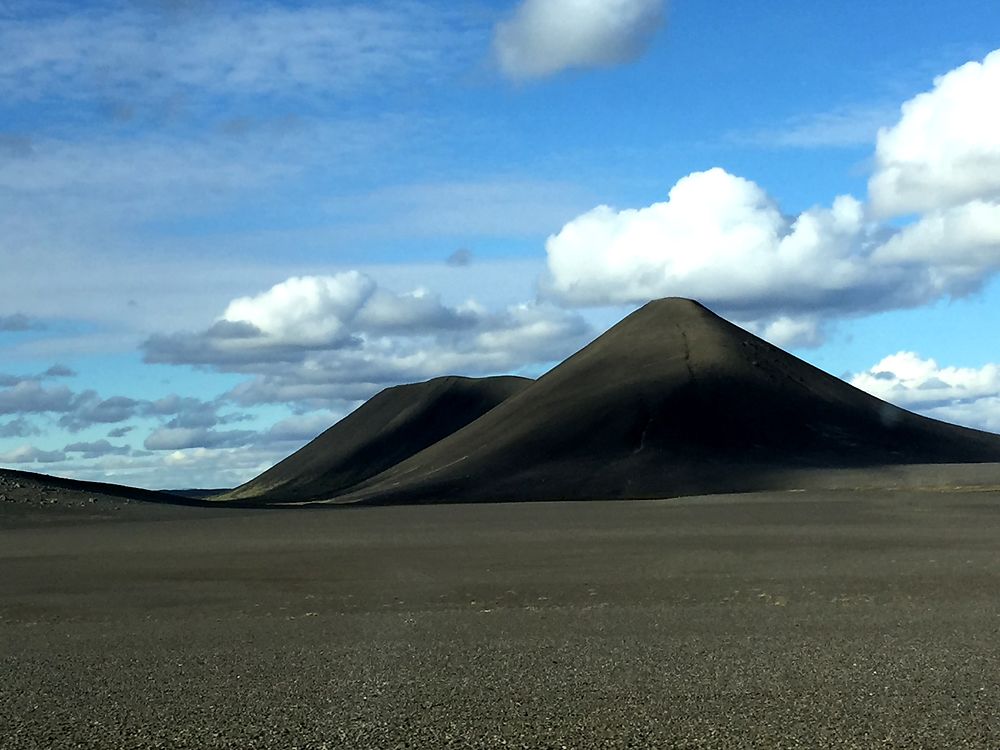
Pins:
<point x="224" y="225"/>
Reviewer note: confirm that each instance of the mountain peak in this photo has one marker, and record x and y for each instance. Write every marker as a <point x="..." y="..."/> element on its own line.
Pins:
<point x="672" y="400"/>
<point x="676" y="310"/>
<point x="674" y="304"/>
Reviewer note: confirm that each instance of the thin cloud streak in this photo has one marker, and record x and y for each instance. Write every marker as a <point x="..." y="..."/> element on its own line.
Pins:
<point x="851" y="126"/>
<point x="229" y="50"/>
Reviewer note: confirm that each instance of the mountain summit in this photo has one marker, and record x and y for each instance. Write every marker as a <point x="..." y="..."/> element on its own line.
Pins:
<point x="673" y="400"/>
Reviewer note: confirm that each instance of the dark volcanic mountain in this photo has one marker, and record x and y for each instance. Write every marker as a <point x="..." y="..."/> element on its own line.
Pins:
<point x="392" y="426"/>
<point x="673" y="400"/>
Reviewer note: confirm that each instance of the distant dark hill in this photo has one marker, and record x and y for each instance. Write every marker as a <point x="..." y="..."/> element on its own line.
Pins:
<point x="29" y="486"/>
<point x="390" y="427"/>
<point x="673" y="400"/>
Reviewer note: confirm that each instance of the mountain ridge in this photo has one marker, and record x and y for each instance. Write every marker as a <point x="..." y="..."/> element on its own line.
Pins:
<point x="672" y="400"/>
<point x="388" y="428"/>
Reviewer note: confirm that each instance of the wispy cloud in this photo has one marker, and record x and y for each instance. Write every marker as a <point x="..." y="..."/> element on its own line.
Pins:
<point x="154" y="172"/>
<point x="460" y="258"/>
<point x="18" y="322"/>
<point x="848" y="126"/>
<point x="500" y="206"/>
<point x="230" y="49"/>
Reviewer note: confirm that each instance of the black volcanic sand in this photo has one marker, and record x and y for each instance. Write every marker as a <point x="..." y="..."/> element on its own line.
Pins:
<point x="786" y="620"/>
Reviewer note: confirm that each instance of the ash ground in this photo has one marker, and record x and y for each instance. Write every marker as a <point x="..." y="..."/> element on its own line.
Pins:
<point x="781" y="620"/>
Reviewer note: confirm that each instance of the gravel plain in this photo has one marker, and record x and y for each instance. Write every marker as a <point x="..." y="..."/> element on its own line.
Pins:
<point x="782" y="620"/>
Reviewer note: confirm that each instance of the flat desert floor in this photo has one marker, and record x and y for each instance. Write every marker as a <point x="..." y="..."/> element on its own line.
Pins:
<point x="781" y="620"/>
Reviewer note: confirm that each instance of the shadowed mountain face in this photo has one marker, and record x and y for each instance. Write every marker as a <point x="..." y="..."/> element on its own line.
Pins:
<point x="673" y="400"/>
<point x="390" y="427"/>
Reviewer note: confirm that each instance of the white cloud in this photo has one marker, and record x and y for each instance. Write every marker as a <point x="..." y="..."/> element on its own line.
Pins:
<point x="30" y="397"/>
<point x="76" y="208"/>
<point x="789" y="332"/>
<point x="162" y="188"/>
<point x="942" y="159"/>
<point x="963" y="237"/>
<point x="521" y="338"/>
<point x="324" y="339"/>
<point x="97" y="448"/>
<point x="965" y="395"/>
<point x="301" y="428"/>
<point x="544" y="37"/>
<point x="55" y="371"/>
<point x="28" y="454"/>
<point x="323" y="311"/>
<point x="80" y="410"/>
<point x="982" y="413"/>
<point x="199" y="467"/>
<point x="181" y="458"/>
<point x="719" y="238"/>
<point x="181" y="438"/>
<point x="19" y="427"/>
<point x="303" y="310"/>
<point x="192" y="467"/>
<point x="310" y="313"/>
<point x="89" y="409"/>
<point x="945" y="149"/>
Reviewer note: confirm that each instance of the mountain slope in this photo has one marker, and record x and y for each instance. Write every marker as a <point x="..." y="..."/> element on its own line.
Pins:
<point x="388" y="428"/>
<point x="672" y="400"/>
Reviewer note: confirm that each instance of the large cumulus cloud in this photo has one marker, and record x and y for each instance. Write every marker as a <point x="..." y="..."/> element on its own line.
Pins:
<point x="722" y="239"/>
<point x="945" y="149"/>
<point x="717" y="237"/>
